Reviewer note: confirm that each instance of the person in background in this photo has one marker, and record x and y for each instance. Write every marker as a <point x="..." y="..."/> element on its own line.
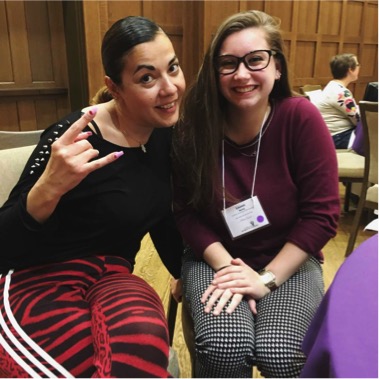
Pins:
<point x="337" y="104"/>
<point x="255" y="199"/>
<point x="98" y="181"/>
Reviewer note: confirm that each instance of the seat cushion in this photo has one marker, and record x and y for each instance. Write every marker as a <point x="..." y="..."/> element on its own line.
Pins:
<point x="12" y="162"/>
<point x="372" y="194"/>
<point x="350" y="164"/>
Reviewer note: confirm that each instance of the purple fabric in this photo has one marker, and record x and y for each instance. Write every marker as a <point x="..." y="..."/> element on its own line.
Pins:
<point x="358" y="144"/>
<point x="342" y="341"/>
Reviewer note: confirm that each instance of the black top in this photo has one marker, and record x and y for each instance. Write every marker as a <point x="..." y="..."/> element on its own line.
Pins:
<point x="108" y="213"/>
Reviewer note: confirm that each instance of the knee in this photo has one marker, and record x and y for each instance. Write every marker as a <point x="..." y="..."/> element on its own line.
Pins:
<point x="223" y="356"/>
<point x="277" y="359"/>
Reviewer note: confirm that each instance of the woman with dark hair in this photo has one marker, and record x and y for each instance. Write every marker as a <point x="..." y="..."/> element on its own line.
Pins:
<point x="256" y="199"/>
<point x="337" y="104"/>
<point x="97" y="183"/>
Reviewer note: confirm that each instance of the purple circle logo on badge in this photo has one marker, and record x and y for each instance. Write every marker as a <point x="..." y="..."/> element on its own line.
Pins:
<point x="260" y="218"/>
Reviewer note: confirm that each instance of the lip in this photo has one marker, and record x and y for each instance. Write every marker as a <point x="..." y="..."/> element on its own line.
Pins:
<point x="168" y="107"/>
<point x="245" y="89"/>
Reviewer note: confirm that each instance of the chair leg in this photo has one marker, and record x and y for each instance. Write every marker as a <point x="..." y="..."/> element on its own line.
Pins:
<point x="173" y="363"/>
<point x="188" y="333"/>
<point x="347" y="196"/>
<point x="171" y="317"/>
<point x="356" y="221"/>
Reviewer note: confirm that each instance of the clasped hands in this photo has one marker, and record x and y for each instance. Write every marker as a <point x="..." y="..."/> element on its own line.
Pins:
<point x="233" y="283"/>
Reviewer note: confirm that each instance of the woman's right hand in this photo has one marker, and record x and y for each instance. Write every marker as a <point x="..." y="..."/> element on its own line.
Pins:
<point x="71" y="160"/>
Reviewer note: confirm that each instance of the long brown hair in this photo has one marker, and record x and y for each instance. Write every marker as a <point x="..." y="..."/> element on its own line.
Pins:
<point x="200" y="131"/>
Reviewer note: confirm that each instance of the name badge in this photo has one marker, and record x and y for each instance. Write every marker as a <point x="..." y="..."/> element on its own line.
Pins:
<point x="245" y="217"/>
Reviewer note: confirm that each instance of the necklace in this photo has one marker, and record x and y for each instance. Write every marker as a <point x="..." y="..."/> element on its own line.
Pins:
<point x="127" y="135"/>
<point x="257" y="139"/>
<point x="239" y="148"/>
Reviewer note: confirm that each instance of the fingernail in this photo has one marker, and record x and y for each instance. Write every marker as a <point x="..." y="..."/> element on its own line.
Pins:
<point x="93" y="111"/>
<point x="118" y="154"/>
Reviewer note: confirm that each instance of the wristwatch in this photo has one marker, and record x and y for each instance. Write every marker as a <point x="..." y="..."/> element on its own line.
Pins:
<point x="268" y="278"/>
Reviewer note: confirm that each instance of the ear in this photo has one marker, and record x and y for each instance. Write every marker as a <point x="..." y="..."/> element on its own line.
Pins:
<point x="278" y="72"/>
<point x="112" y="87"/>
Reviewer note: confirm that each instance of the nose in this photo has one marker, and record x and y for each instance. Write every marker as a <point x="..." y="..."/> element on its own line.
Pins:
<point x="168" y="87"/>
<point x="242" y="70"/>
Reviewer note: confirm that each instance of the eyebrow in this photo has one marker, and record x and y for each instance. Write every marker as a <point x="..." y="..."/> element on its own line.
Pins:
<point x="152" y="68"/>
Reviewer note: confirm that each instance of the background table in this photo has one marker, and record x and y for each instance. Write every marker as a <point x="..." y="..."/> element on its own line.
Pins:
<point x="342" y="341"/>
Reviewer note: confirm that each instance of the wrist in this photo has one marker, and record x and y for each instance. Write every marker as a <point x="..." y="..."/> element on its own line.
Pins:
<point x="269" y="279"/>
<point x="222" y="267"/>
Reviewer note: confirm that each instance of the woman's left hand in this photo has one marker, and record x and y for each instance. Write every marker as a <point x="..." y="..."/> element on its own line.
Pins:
<point x="213" y="295"/>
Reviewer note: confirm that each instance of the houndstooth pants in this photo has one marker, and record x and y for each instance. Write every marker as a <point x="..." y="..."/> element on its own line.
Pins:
<point x="228" y="345"/>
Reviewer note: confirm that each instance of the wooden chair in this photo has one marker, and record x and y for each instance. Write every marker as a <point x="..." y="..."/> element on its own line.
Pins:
<point x="351" y="168"/>
<point x="309" y="88"/>
<point x="369" y="191"/>
<point x="312" y="91"/>
<point x="11" y="139"/>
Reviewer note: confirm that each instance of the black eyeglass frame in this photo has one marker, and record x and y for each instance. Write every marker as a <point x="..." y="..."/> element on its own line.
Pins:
<point x="243" y="59"/>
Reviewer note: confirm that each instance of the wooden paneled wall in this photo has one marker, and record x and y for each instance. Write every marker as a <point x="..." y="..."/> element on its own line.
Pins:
<point x="34" y="84"/>
<point x="175" y="17"/>
<point x="33" y="65"/>
<point x="313" y="31"/>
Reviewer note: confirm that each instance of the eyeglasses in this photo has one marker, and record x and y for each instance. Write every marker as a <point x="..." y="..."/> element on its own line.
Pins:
<point x="254" y="61"/>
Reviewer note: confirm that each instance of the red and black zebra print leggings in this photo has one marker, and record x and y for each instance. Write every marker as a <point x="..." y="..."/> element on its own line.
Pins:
<point x="82" y="318"/>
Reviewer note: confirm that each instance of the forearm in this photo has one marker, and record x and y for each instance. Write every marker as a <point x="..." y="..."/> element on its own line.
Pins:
<point x="217" y="256"/>
<point x="41" y="201"/>
<point x="287" y="262"/>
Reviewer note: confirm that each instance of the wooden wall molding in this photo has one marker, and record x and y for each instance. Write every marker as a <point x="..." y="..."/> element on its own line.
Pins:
<point x="35" y="89"/>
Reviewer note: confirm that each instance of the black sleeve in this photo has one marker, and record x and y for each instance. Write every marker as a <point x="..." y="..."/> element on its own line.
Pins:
<point x="19" y="232"/>
<point x="169" y="245"/>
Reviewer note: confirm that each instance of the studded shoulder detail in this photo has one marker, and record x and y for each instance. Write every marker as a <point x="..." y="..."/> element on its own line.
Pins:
<point x="41" y="156"/>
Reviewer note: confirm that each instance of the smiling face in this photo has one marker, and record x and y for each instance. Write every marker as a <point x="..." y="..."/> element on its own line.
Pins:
<point x="245" y="89"/>
<point x="152" y="84"/>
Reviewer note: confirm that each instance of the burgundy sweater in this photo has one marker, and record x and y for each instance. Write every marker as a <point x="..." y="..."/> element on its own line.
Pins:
<point x="296" y="183"/>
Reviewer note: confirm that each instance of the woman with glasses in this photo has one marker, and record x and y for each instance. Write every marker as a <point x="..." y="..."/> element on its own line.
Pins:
<point x="256" y="199"/>
<point x="337" y="104"/>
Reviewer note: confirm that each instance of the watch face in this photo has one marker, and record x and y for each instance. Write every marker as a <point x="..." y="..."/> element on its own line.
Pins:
<point x="267" y="278"/>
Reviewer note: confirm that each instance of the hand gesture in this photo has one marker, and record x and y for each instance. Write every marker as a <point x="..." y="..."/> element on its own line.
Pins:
<point x="71" y="160"/>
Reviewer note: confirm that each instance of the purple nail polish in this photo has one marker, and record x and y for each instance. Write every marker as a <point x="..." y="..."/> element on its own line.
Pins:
<point x="93" y="111"/>
<point x="118" y="154"/>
